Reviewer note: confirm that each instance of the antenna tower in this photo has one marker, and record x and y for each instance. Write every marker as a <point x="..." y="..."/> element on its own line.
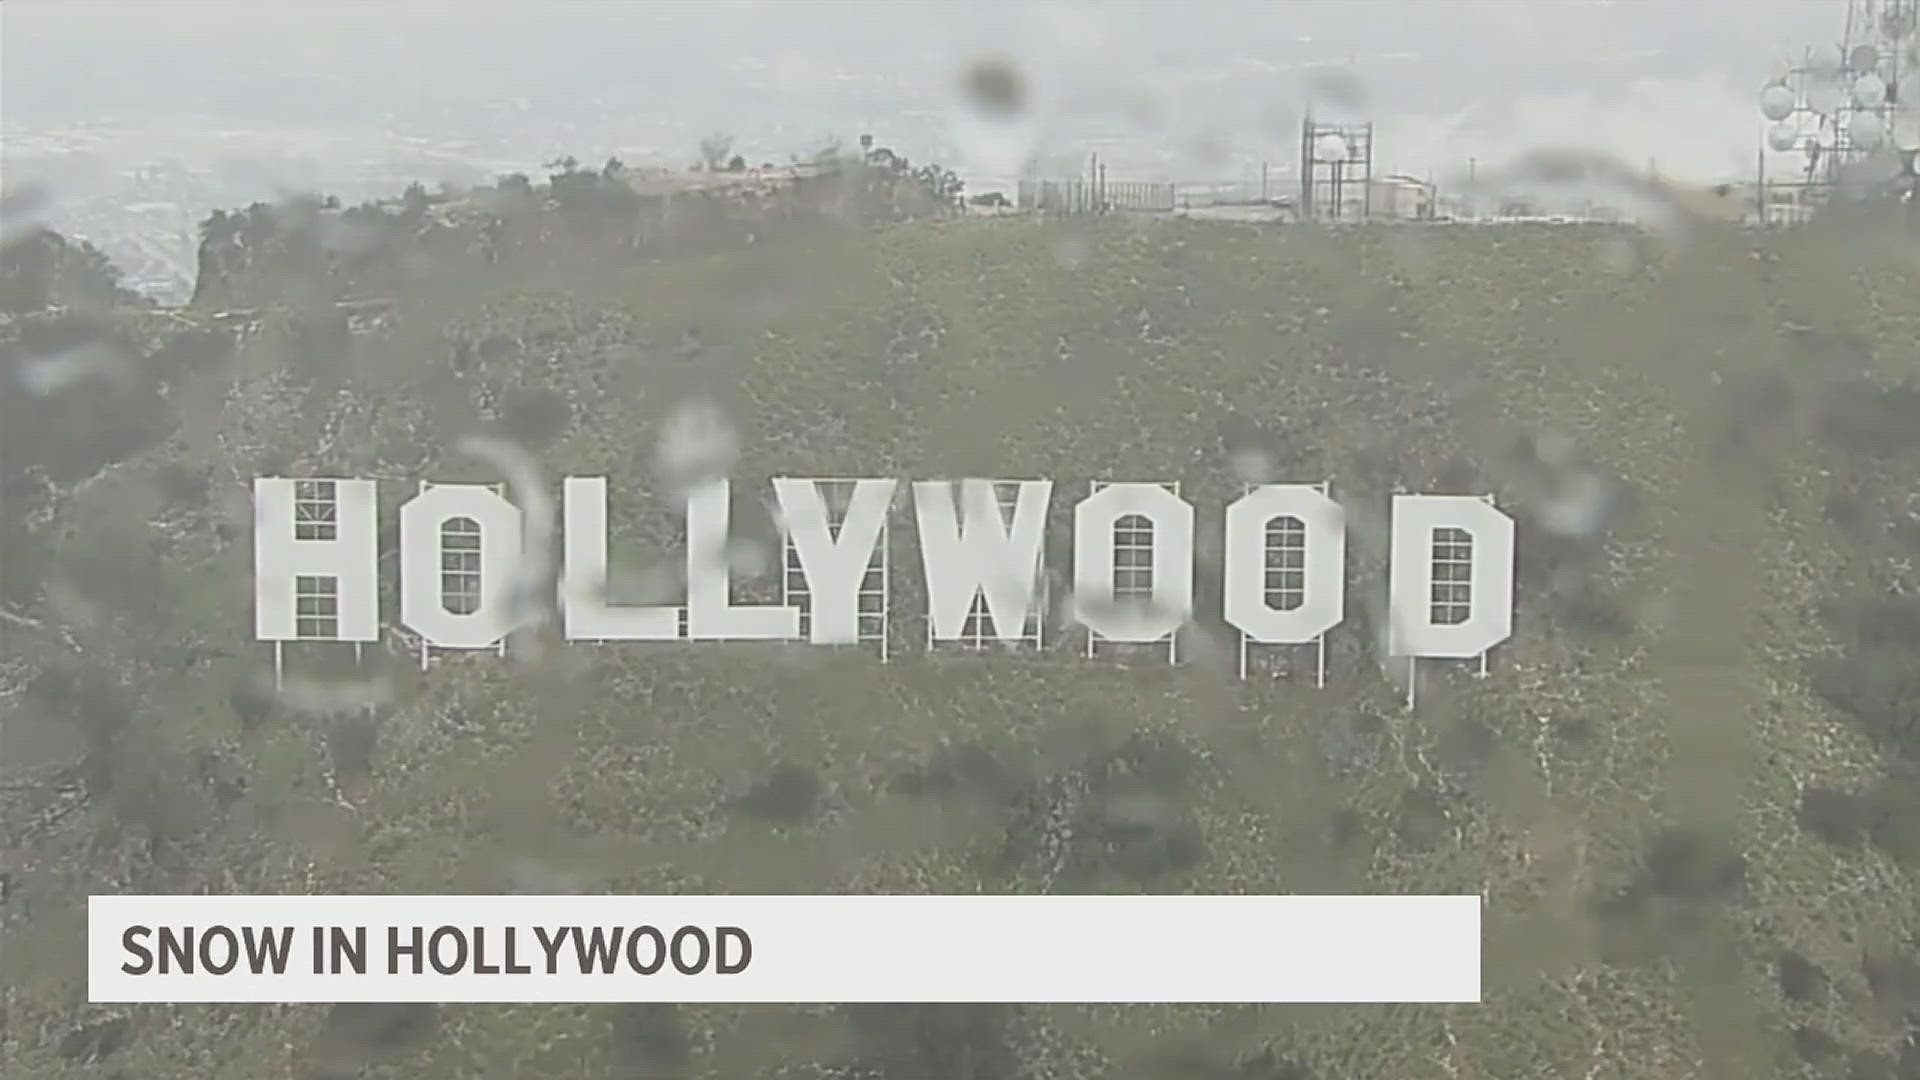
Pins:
<point x="1843" y="105"/>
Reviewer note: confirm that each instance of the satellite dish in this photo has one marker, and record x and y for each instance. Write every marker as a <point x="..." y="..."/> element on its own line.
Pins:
<point x="1896" y="23"/>
<point x="1863" y="58"/>
<point x="1776" y="101"/>
<point x="1905" y="129"/>
<point x="1824" y="98"/>
<point x="1330" y="148"/>
<point x="1869" y="91"/>
<point x="1783" y="137"/>
<point x="1826" y="61"/>
<point x="1866" y="132"/>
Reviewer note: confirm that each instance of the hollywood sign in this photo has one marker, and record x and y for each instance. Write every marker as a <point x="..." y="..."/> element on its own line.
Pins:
<point x="982" y="557"/>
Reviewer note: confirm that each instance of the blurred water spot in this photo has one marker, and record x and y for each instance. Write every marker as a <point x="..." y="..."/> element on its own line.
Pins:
<point x="1618" y="257"/>
<point x="1131" y="608"/>
<point x="697" y="445"/>
<point x="21" y="212"/>
<point x="344" y="236"/>
<point x="529" y="875"/>
<point x="1413" y="255"/>
<point x="663" y="582"/>
<point x="532" y="603"/>
<point x="69" y="605"/>
<point x="996" y="129"/>
<point x="771" y="304"/>
<point x="995" y="88"/>
<point x="1381" y="623"/>
<point x="1337" y="95"/>
<point x="1556" y="451"/>
<point x="327" y="698"/>
<point x="1072" y="252"/>
<point x="1255" y="465"/>
<point x="53" y="372"/>
<point x="1211" y="148"/>
<point x="1654" y="613"/>
<point x="1874" y="174"/>
<point x="748" y="558"/>
<point x="1567" y="180"/>
<point x="1211" y="650"/>
<point x="1581" y="507"/>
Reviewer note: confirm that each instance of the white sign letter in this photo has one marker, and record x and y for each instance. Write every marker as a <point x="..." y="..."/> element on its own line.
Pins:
<point x="965" y="557"/>
<point x="835" y="566"/>
<point x="1133" y="562"/>
<point x="586" y="615"/>
<point x="1286" y="565"/>
<point x="315" y="560"/>
<point x="711" y="614"/>
<point x="459" y="544"/>
<point x="1450" y="586"/>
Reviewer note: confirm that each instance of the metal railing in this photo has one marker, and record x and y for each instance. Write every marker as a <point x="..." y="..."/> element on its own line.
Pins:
<point x="1081" y="196"/>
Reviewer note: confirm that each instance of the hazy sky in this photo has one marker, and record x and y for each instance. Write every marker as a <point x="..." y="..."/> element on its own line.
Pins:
<point x="1183" y="91"/>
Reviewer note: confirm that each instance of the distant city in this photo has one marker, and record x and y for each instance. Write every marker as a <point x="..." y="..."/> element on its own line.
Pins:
<point x="139" y="194"/>
<point x="137" y="127"/>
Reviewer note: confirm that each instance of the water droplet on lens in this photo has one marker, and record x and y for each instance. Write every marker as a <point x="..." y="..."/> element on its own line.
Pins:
<point x="995" y="88"/>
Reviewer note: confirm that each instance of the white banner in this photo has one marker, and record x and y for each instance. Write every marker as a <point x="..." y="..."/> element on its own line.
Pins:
<point x="800" y="949"/>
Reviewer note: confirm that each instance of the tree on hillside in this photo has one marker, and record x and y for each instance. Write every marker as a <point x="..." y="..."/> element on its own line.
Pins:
<point x="940" y="182"/>
<point x="944" y="183"/>
<point x="415" y="200"/>
<point x="258" y="225"/>
<point x="516" y="185"/>
<point x="220" y="227"/>
<point x="217" y="233"/>
<point x="605" y="192"/>
<point x="45" y="269"/>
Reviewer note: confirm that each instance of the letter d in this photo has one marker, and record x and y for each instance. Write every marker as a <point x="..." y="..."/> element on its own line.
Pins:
<point x="725" y="963"/>
<point x="1450" y="584"/>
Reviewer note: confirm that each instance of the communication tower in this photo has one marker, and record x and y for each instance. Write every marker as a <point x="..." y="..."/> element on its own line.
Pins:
<point x="1846" y="104"/>
<point x="1334" y="159"/>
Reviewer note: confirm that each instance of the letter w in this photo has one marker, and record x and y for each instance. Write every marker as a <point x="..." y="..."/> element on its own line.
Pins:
<point x="265" y="949"/>
<point x="601" y="951"/>
<point x="979" y="554"/>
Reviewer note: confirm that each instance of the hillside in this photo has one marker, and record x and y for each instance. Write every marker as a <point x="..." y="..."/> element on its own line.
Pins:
<point x="1687" y="788"/>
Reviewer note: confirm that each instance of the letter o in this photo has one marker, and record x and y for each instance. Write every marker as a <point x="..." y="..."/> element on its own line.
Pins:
<point x="460" y="949"/>
<point x="659" y="950"/>
<point x="706" y="950"/>
<point x="207" y="938"/>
